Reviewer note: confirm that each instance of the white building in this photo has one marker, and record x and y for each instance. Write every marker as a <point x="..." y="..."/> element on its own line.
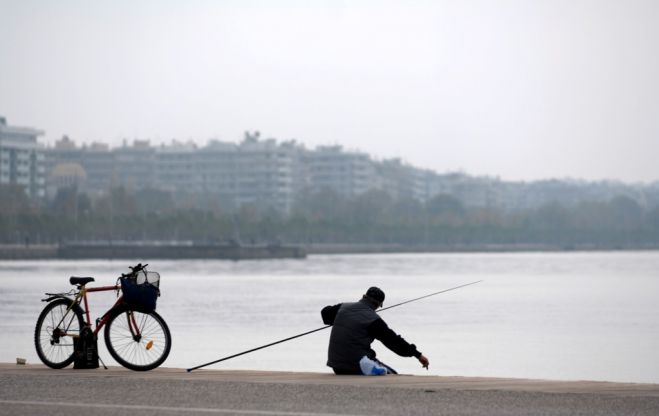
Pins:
<point x="346" y="173"/>
<point x="403" y="181"/>
<point x="22" y="158"/>
<point x="177" y="168"/>
<point x="97" y="162"/>
<point x="135" y="166"/>
<point x="472" y="191"/>
<point x="262" y="173"/>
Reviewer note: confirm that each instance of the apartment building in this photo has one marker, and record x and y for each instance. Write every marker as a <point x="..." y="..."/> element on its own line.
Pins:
<point x="264" y="173"/>
<point x="94" y="164"/>
<point x="260" y="172"/>
<point x="135" y="165"/>
<point x="268" y="174"/>
<point x="176" y="167"/>
<point x="472" y="191"/>
<point x="22" y="158"/>
<point x="403" y="181"/>
<point x="347" y="173"/>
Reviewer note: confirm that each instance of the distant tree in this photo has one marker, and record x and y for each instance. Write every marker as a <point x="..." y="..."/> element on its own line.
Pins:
<point x="370" y="207"/>
<point x="445" y="209"/>
<point x="591" y="215"/>
<point x="625" y="213"/>
<point x="552" y="216"/>
<point x="407" y="211"/>
<point x="13" y="199"/>
<point x="154" y="200"/>
<point x="317" y="205"/>
<point x="64" y="202"/>
<point x="653" y="220"/>
<point x="117" y="202"/>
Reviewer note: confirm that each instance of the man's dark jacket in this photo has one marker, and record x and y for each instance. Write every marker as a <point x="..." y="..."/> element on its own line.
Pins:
<point x="354" y="327"/>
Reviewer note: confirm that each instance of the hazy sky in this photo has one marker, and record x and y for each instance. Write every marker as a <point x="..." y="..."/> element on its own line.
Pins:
<point x="517" y="89"/>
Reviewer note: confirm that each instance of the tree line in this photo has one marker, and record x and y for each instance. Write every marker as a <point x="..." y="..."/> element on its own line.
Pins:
<point x="319" y="217"/>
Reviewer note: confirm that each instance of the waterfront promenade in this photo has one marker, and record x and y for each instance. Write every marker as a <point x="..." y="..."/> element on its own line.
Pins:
<point x="38" y="390"/>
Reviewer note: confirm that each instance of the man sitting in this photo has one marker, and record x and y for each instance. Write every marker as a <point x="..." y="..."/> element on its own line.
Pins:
<point x="354" y="327"/>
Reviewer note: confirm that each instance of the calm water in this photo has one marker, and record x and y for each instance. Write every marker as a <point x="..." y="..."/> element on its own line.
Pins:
<point x="542" y="315"/>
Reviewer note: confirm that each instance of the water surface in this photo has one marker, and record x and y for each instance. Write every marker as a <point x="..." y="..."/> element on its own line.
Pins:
<point x="564" y="316"/>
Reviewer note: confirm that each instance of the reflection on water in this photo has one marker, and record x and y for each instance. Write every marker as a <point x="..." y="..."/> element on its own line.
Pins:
<point x="538" y="315"/>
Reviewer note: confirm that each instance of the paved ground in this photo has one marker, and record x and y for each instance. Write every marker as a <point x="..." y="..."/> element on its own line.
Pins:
<point x="37" y="390"/>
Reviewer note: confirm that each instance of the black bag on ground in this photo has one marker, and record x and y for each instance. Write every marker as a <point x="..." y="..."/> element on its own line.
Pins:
<point x="85" y="349"/>
<point x="141" y="293"/>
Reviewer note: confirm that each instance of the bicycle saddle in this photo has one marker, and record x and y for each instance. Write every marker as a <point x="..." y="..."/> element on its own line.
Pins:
<point x="80" y="280"/>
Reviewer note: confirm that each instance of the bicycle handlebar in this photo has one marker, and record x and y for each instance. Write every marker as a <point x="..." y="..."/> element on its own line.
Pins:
<point x="138" y="268"/>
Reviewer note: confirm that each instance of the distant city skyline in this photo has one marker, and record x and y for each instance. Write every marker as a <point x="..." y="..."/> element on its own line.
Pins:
<point x="516" y="90"/>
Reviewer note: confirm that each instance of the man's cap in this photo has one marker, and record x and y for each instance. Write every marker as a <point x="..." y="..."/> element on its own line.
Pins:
<point x="376" y="294"/>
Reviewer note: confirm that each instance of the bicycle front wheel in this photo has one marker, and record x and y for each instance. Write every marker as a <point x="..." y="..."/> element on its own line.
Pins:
<point x="57" y="324"/>
<point x="138" y="341"/>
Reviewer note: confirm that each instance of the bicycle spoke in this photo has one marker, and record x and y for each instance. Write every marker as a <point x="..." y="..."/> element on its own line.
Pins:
<point x="138" y="339"/>
<point x="53" y="335"/>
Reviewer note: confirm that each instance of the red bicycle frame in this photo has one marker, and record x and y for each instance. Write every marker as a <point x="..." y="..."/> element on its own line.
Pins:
<point x="132" y="324"/>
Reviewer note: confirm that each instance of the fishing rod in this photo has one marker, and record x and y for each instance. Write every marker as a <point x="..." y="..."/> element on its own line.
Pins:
<point x="324" y="327"/>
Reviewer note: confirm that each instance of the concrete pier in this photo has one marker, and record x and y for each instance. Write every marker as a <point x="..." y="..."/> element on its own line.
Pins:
<point x="38" y="390"/>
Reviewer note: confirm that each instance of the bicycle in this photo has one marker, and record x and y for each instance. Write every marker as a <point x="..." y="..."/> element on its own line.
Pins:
<point x="139" y="341"/>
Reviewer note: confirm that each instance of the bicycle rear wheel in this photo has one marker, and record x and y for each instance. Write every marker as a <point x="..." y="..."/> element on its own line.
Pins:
<point x="138" y="341"/>
<point x="53" y="336"/>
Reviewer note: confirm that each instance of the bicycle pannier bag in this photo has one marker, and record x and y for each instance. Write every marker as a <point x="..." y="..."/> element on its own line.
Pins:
<point x="141" y="292"/>
<point x="85" y="349"/>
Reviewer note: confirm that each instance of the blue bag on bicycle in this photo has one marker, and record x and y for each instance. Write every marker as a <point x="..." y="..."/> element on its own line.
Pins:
<point x="141" y="292"/>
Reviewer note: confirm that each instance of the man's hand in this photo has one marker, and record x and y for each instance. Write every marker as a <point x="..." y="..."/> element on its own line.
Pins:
<point x="424" y="361"/>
